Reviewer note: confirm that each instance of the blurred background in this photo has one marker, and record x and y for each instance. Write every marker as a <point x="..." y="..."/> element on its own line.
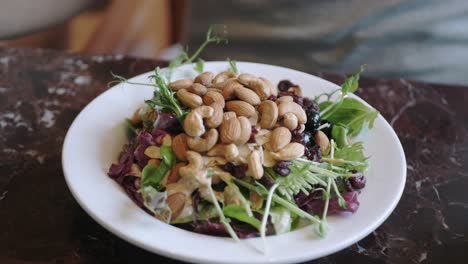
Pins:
<point x="415" y="39"/>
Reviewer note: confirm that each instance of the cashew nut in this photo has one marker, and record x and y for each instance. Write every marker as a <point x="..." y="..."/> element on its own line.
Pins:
<point x="292" y="107"/>
<point x="269" y="114"/>
<point x="290" y="121"/>
<point x="193" y="123"/>
<point x="205" y="142"/>
<point x="205" y="79"/>
<point x="246" y="78"/>
<point x="273" y="88"/>
<point x="255" y="168"/>
<point x="179" y="146"/>
<point x="230" y="151"/>
<point x="194" y="169"/>
<point x="198" y="89"/>
<point x="260" y="87"/>
<point x="214" y="97"/>
<point x="217" y="118"/>
<point x="247" y="95"/>
<point x="229" y="87"/>
<point x="189" y="99"/>
<point x="222" y="77"/>
<point x="322" y="140"/>
<point x="180" y="84"/>
<point x="291" y="151"/>
<point x="279" y="138"/>
<point x="241" y="108"/>
<point x="246" y="130"/>
<point x="284" y="99"/>
<point x="230" y="128"/>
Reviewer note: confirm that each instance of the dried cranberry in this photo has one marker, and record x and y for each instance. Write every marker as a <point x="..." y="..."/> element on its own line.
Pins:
<point x="297" y="135"/>
<point x="252" y="135"/>
<point x="358" y="181"/>
<point x="282" y="168"/>
<point x="266" y="181"/>
<point x="284" y="85"/>
<point x="272" y="98"/>
<point x="310" y="104"/>
<point x="237" y="171"/>
<point x="314" y="153"/>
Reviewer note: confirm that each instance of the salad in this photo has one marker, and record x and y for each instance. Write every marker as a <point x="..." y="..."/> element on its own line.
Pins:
<point x="231" y="154"/>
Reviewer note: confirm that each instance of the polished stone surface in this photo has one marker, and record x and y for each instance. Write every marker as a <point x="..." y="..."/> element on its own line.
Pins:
<point x="42" y="91"/>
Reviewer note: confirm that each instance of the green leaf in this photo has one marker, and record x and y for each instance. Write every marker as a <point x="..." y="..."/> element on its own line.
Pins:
<point x="199" y="66"/>
<point x="351" y="84"/>
<point x="353" y="115"/>
<point x="233" y="66"/>
<point x="281" y="219"/>
<point x="354" y="154"/>
<point x="238" y="212"/>
<point x="156" y="202"/>
<point x="168" y="156"/>
<point x="340" y="134"/>
<point x="152" y="175"/>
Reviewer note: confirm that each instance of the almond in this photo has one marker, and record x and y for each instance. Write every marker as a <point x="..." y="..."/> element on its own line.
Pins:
<point x="189" y="99"/>
<point x="174" y="175"/>
<point x="214" y="97"/>
<point x="229" y="87"/>
<point x="269" y="114"/>
<point x="322" y="140"/>
<point x="291" y="151"/>
<point x="279" y="138"/>
<point x="179" y="146"/>
<point x="241" y="108"/>
<point x="205" y="79"/>
<point x="198" y="89"/>
<point x="180" y="84"/>
<point x="176" y="202"/>
<point x="247" y="95"/>
<point x="230" y="128"/>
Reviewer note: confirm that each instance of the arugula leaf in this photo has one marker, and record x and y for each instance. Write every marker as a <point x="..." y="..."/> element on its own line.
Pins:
<point x="152" y="175"/>
<point x="238" y="212"/>
<point x="281" y="219"/>
<point x="199" y="66"/>
<point x="351" y="84"/>
<point x="352" y="157"/>
<point x="168" y="156"/>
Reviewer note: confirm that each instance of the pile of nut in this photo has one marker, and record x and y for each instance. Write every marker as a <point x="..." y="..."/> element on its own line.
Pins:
<point x="225" y="107"/>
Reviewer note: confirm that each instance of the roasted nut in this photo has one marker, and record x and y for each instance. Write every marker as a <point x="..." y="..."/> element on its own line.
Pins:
<point x="295" y="90"/>
<point x="268" y="160"/>
<point x="255" y="168"/>
<point x="290" y="121"/>
<point x="229" y="87"/>
<point x="247" y="95"/>
<point x="246" y="130"/>
<point x="256" y="200"/>
<point x="222" y="77"/>
<point x="269" y="114"/>
<point x="291" y="151"/>
<point x="174" y="175"/>
<point x="214" y="97"/>
<point x="231" y="195"/>
<point x="167" y="140"/>
<point x="189" y="99"/>
<point x="180" y="84"/>
<point x="153" y="152"/>
<point x="279" y="138"/>
<point x="284" y="99"/>
<point x="205" y="142"/>
<point x="271" y="86"/>
<point x="176" y="202"/>
<point x="193" y="122"/>
<point x="136" y="117"/>
<point x="241" y="108"/>
<point x="205" y="79"/>
<point x="260" y="87"/>
<point x="217" y="118"/>
<point x="135" y="170"/>
<point x="229" y="151"/>
<point x="296" y="109"/>
<point x="322" y="140"/>
<point x="154" y="162"/>
<point x="230" y="129"/>
<point x="198" y="89"/>
<point x="179" y="146"/>
<point x="194" y="169"/>
<point x="246" y="78"/>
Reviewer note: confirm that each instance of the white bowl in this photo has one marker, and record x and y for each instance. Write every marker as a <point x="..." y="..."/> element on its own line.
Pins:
<point x="97" y="135"/>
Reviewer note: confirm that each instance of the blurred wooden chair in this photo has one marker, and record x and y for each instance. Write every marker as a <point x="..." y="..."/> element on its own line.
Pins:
<point x="140" y="28"/>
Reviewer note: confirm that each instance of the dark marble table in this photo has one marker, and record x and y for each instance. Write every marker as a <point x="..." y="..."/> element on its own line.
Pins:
<point x="42" y="91"/>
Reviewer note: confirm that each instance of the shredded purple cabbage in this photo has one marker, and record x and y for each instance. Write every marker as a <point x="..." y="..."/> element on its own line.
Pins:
<point x="314" y="203"/>
<point x="168" y="122"/>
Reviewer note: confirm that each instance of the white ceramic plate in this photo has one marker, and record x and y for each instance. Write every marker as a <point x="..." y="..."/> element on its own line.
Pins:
<point x="96" y="136"/>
